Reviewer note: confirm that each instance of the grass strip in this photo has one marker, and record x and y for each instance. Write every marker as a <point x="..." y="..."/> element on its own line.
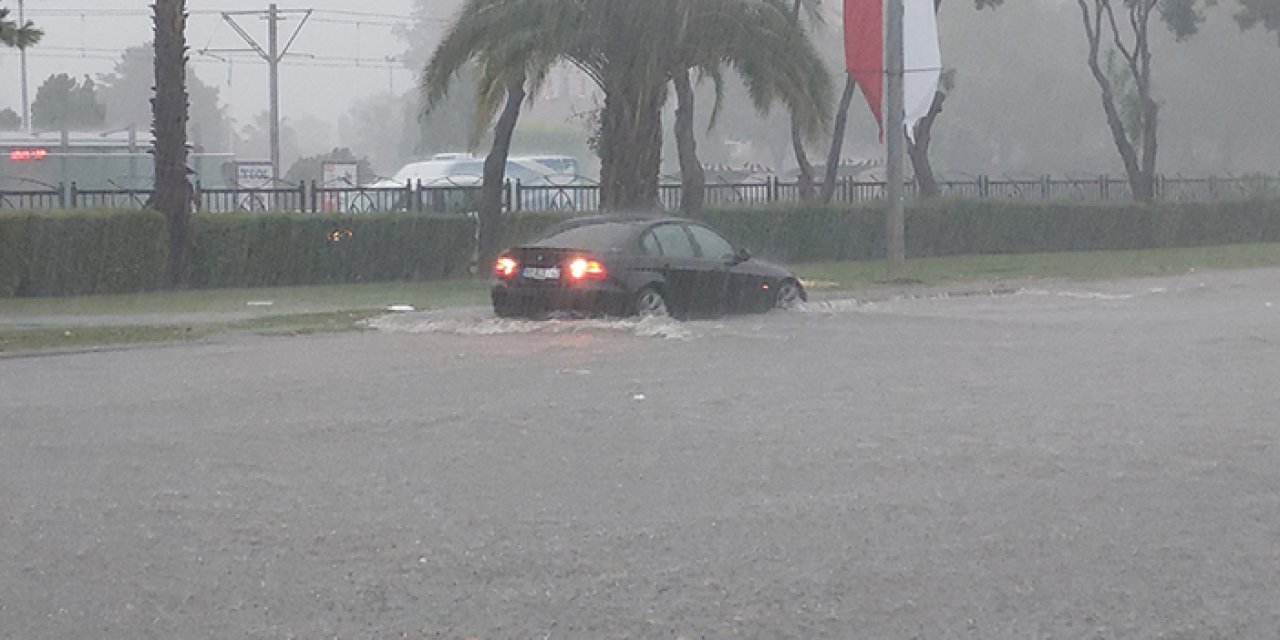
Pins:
<point x="83" y="337"/>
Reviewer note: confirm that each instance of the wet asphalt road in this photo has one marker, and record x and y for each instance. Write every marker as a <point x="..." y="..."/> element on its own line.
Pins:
<point x="1077" y="461"/>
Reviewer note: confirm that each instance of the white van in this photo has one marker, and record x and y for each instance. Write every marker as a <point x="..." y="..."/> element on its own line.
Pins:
<point x="466" y="170"/>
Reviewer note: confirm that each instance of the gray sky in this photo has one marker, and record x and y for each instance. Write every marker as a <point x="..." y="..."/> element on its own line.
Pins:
<point x="349" y="39"/>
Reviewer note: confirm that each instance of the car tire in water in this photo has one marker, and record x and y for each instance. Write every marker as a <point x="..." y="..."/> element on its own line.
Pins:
<point x="507" y="311"/>
<point x="650" y="303"/>
<point x="788" y="295"/>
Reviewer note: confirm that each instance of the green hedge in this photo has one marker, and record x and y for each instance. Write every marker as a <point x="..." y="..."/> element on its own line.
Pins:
<point x="96" y="252"/>
<point x="103" y="252"/>
<point x="974" y="227"/>
<point x="81" y="252"/>
<point x="258" y="250"/>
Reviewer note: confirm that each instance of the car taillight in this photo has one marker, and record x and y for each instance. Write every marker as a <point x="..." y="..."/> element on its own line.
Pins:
<point x="505" y="267"/>
<point x="584" y="269"/>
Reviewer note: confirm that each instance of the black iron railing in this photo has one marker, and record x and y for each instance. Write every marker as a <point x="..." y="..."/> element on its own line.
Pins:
<point x="583" y="196"/>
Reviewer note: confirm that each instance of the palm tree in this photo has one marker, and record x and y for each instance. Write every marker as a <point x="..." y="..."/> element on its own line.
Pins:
<point x="511" y="66"/>
<point x="17" y="36"/>
<point x="169" y="108"/>
<point x="632" y="50"/>
<point x="759" y="39"/>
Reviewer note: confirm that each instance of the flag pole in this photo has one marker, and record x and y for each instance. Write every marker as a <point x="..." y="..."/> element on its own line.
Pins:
<point x="895" y="221"/>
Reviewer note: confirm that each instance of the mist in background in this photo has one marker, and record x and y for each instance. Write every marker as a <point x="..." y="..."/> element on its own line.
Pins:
<point x="1024" y="103"/>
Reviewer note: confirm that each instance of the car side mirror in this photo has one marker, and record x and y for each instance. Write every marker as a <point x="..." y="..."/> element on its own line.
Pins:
<point x="741" y="255"/>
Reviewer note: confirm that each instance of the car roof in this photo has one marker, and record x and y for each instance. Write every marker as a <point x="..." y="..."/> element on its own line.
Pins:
<point x="635" y="219"/>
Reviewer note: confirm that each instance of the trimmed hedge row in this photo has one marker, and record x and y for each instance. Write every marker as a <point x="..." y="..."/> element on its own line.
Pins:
<point x="975" y="227"/>
<point x="258" y="250"/>
<point x="81" y="253"/>
<point x="104" y="252"/>
<point x="97" y="252"/>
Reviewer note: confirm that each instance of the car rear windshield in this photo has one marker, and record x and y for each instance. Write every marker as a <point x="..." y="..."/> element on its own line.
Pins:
<point x="600" y="236"/>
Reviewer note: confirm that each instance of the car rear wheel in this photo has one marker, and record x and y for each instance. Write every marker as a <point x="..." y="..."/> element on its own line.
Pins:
<point x="503" y="311"/>
<point x="650" y="303"/>
<point x="789" y="295"/>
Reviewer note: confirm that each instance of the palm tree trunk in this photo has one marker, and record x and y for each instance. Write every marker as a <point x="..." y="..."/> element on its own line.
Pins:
<point x="495" y="168"/>
<point x="631" y="147"/>
<point x="805" y="179"/>
<point x="837" y="140"/>
<point x="693" y="180"/>
<point x="172" y="195"/>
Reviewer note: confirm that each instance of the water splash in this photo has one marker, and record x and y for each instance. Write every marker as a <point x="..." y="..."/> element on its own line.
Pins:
<point x="482" y="325"/>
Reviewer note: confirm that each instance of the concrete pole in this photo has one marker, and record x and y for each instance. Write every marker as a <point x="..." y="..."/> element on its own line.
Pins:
<point x="895" y="141"/>
<point x="273" y="64"/>
<point x="22" y="54"/>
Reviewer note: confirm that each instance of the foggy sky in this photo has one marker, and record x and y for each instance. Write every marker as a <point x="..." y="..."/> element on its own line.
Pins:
<point x="89" y="42"/>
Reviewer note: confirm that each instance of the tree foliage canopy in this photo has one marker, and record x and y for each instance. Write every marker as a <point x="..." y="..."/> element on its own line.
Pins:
<point x="126" y="95"/>
<point x="18" y="36"/>
<point x="1260" y="12"/>
<point x="64" y="103"/>
<point x="631" y="51"/>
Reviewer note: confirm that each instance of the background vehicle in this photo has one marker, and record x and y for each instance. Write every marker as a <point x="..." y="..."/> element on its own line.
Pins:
<point x="546" y="182"/>
<point x="609" y="265"/>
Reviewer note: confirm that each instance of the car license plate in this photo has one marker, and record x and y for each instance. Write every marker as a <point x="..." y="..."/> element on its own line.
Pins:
<point x="542" y="273"/>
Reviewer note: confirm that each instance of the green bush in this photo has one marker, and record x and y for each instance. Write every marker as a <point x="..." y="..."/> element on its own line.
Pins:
<point x="81" y="253"/>
<point x="800" y="233"/>
<point x="12" y="265"/>
<point x="519" y="228"/>
<point x="98" y="252"/>
<point x="261" y="250"/>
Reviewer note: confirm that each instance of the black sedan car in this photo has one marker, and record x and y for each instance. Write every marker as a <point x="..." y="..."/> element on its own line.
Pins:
<point x="622" y="266"/>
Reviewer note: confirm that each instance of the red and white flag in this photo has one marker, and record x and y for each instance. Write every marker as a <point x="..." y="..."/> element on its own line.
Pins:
<point x="922" y="57"/>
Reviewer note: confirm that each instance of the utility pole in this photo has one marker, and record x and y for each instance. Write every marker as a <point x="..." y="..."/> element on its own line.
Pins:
<point x="273" y="83"/>
<point x="22" y="54"/>
<point x="894" y="115"/>
<point x="273" y="54"/>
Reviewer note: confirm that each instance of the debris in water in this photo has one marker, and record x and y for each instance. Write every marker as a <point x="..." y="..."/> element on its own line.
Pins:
<point x="259" y="303"/>
<point x="401" y="308"/>
<point x="638" y="396"/>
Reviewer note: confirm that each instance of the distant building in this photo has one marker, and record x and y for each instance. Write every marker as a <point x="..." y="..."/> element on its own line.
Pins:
<point x="112" y="160"/>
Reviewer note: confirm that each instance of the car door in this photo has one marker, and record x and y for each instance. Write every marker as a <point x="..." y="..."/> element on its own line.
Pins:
<point x="680" y="266"/>
<point x="716" y="255"/>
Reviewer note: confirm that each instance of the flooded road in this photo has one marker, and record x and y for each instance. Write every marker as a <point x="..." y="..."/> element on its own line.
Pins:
<point x="1056" y="461"/>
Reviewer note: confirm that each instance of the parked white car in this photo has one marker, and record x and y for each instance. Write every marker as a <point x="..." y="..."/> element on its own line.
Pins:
<point x="547" y="182"/>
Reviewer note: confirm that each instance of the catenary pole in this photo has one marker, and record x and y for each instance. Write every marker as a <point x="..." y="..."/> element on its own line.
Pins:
<point x="272" y="54"/>
<point x="895" y="219"/>
<point x="273" y="65"/>
<point x="22" y="54"/>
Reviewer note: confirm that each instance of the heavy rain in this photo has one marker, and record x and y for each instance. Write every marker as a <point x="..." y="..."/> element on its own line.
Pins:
<point x="488" y="319"/>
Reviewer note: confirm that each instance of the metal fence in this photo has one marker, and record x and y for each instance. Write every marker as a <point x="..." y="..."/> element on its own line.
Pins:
<point x="310" y="198"/>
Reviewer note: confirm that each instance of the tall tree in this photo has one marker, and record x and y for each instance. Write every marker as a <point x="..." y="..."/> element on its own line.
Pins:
<point x="502" y="39"/>
<point x="631" y="51"/>
<point x="1137" y="143"/>
<point x="126" y="93"/>
<point x="10" y="120"/>
<point x="62" y="103"/>
<point x="693" y="180"/>
<point x="17" y="36"/>
<point x="803" y="165"/>
<point x="837" y="140"/>
<point x="1260" y="12"/>
<point x="769" y="51"/>
<point x="169" y="107"/>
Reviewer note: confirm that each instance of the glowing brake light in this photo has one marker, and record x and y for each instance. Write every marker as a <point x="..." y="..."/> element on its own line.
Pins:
<point x="583" y="269"/>
<point x="23" y="155"/>
<point x="505" y="267"/>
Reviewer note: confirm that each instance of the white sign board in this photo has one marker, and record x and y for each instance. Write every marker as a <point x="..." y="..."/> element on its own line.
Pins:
<point x="253" y="175"/>
<point x="340" y="174"/>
